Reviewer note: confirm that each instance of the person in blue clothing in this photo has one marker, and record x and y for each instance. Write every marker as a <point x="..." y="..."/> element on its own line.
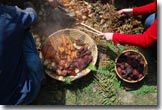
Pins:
<point x="21" y="71"/>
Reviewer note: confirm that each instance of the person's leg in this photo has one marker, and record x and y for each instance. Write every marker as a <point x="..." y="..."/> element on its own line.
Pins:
<point x="149" y="20"/>
<point x="34" y="65"/>
<point x="32" y="58"/>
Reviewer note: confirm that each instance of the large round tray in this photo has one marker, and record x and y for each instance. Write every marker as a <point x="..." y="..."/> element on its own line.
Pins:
<point x="74" y="33"/>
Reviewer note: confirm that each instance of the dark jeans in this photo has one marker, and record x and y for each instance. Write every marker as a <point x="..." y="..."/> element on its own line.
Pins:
<point x="35" y="71"/>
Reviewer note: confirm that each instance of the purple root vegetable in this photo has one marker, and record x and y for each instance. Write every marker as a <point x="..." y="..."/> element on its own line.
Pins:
<point x="80" y="64"/>
<point x="84" y="50"/>
<point x="135" y="72"/>
<point x="81" y="49"/>
<point x="122" y="66"/>
<point x="84" y="54"/>
<point x="119" y="70"/>
<point x="142" y="62"/>
<point x="87" y="59"/>
<point x="129" y="78"/>
<point x="140" y="76"/>
<point x="127" y="54"/>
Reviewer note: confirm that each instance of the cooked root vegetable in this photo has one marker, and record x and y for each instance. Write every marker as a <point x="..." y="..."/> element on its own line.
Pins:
<point x="64" y="58"/>
<point x="130" y="66"/>
<point x="135" y="72"/>
<point x="84" y="58"/>
<point x="79" y="42"/>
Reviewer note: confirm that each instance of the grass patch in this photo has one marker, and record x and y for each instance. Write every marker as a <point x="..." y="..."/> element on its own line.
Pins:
<point x="145" y="89"/>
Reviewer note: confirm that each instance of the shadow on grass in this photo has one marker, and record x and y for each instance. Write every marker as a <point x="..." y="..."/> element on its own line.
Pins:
<point x="54" y="92"/>
<point x="105" y="50"/>
<point x="151" y="57"/>
<point x="51" y="93"/>
<point x="82" y="82"/>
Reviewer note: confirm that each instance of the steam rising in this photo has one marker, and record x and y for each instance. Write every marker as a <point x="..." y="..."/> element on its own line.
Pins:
<point x="50" y="20"/>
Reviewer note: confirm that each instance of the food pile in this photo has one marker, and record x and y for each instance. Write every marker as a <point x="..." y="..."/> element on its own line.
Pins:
<point x="101" y="16"/>
<point x="130" y="66"/>
<point x="65" y="56"/>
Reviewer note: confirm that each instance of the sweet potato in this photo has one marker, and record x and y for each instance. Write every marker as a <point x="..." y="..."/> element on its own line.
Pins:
<point x="122" y="66"/>
<point x="135" y="72"/>
<point x="119" y="70"/>
<point x="62" y="62"/>
<point x="129" y="78"/>
<point x="140" y="76"/>
<point x="84" y="50"/>
<point x="88" y="52"/>
<point x="127" y="54"/>
<point x="50" y="53"/>
<point x="72" y="72"/>
<point x="80" y="50"/>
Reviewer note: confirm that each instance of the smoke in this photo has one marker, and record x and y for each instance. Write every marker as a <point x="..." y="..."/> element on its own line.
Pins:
<point x="50" y="20"/>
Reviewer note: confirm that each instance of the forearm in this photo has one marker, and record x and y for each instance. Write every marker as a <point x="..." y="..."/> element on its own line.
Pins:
<point x="136" y="40"/>
<point x="146" y="9"/>
<point x="143" y="40"/>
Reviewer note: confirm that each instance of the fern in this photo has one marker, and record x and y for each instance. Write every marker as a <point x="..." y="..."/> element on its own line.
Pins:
<point x="120" y="48"/>
<point x="92" y="67"/>
<point x="99" y="70"/>
<point x="110" y="46"/>
<point x="106" y="79"/>
<point x="67" y="80"/>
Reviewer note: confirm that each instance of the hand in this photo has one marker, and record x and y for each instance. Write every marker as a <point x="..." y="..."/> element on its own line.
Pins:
<point x="125" y="12"/>
<point x="53" y="3"/>
<point x="108" y="36"/>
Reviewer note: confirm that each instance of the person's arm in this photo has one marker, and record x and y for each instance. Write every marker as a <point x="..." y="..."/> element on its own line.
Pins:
<point x="27" y="15"/>
<point x="146" y="9"/>
<point x="149" y="8"/>
<point x="143" y="40"/>
<point x="125" y="12"/>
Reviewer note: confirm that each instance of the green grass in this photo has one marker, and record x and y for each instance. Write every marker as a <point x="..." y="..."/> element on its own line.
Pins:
<point x="145" y="89"/>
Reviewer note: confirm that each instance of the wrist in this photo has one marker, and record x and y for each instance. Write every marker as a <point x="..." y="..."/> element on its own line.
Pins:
<point x="129" y="11"/>
<point x="109" y="36"/>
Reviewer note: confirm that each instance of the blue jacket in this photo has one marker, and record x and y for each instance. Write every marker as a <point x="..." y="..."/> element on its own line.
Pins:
<point x="13" y="71"/>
